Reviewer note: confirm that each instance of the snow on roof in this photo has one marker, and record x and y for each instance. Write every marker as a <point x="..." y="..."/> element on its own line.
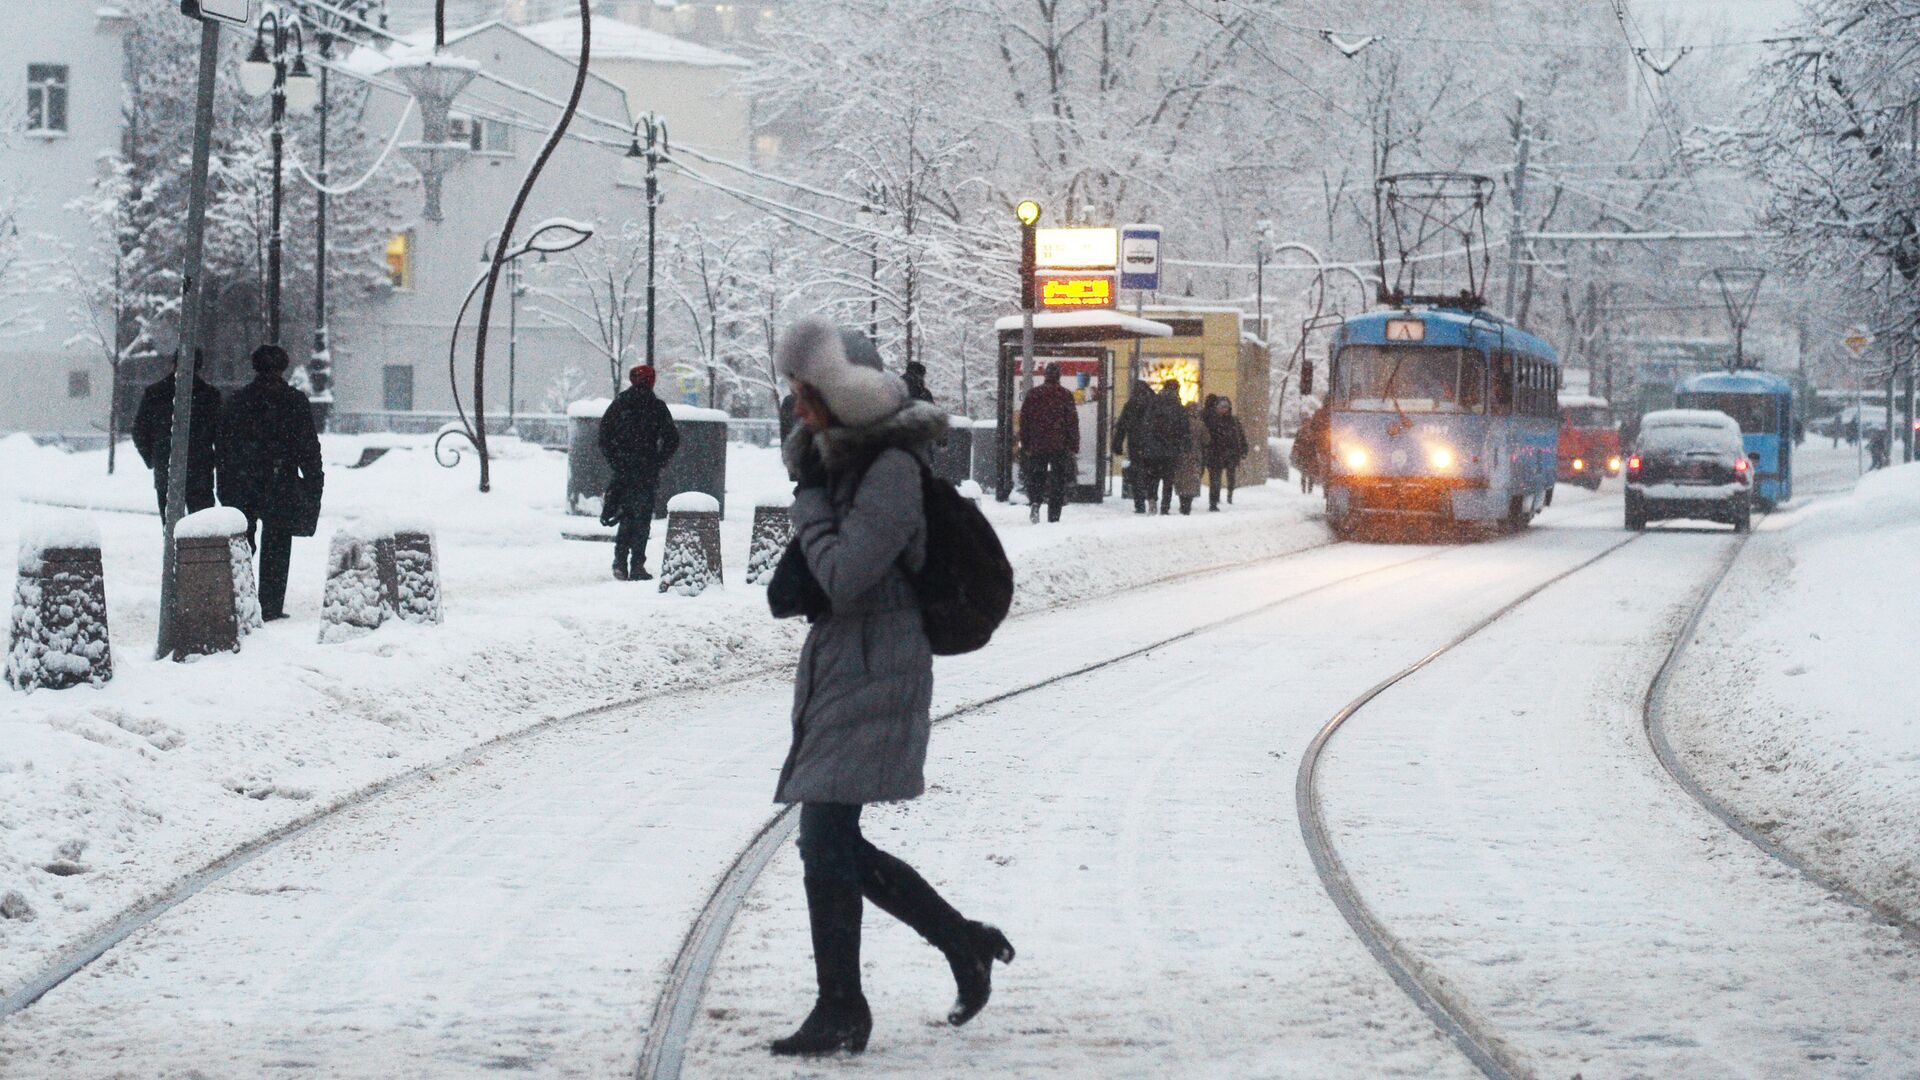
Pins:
<point x="616" y="40"/>
<point x="1583" y="401"/>
<point x="214" y="521"/>
<point x="1707" y="418"/>
<point x="1088" y="320"/>
<point x="693" y="502"/>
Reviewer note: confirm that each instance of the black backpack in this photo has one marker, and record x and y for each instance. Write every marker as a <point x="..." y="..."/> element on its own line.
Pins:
<point x="966" y="586"/>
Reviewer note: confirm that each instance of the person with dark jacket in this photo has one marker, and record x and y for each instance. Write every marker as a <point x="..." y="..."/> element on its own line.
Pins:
<point x="1158" y="439"/>
<point x="153" y="437"/>
<point x="1187" y="467"/>
<point x="638" y="437"/>
<point x="1226" y="446"/>
<point x="916" y="380"/>
<point x="270" y="470"/>
<point x="1132" y="416"/>
<point x="864" y="686"/>
<point x="1310" y="449"/>
<point x="1049" y="439"/>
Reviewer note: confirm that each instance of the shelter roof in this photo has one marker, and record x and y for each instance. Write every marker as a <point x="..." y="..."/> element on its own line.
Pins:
<point x="1066" y="327"/>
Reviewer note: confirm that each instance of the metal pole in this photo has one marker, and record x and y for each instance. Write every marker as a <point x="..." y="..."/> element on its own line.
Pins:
<point x="1909" y="411"/>
<point x="320" y="365"/>
<point x="279" y="142"/>
<point x="1516" y="231"/>
<point x="513" y="342"/>
<point x="192" y="301"/>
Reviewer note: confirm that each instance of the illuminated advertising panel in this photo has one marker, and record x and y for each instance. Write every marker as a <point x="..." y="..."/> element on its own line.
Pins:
<point x="1076" y="249"/>
<point x="1072" y="292"/>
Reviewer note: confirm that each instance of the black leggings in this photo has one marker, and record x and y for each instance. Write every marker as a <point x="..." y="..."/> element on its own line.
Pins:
<point x="831" y="845"/>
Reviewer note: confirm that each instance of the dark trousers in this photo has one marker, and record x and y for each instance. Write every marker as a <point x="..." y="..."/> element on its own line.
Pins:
<point x="1153" y="479"/>
<point x="636" y="525"/>
<point x="274" y="549"/>
<point x="832" y="850"/>
<point x="198" y="498"/>
<point x="1048" y="475"/>
<point x="1214" y="475"/>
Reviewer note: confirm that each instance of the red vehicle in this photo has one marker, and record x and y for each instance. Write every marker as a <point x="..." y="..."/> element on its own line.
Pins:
<point x="1589" y="441"/>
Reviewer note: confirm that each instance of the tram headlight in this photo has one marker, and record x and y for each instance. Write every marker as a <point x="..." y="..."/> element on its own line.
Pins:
<point x="1356" y="459"/>
<point x="1579" y="464"/>
<point x="1440" y="457"/>
<point x="1613" y="464"/>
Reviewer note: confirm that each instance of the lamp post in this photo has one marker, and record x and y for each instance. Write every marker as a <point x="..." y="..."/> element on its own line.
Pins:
<point x="1028" y="214"/>
<point x="293" y="87"/>
<point x="646" y="160"/>
<point x="514" y="291"/>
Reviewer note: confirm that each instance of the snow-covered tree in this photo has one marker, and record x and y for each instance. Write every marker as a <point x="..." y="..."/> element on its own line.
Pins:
<point x="599" y="292"/>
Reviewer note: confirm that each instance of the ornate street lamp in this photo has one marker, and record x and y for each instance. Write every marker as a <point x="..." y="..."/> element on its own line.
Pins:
<point x="265" y="71"/>
<point x="645" y="161"/>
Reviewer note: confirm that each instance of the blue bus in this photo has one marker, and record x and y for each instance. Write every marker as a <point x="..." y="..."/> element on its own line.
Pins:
<point x="1440" y="416"/>
<point x="1762" y="403"/>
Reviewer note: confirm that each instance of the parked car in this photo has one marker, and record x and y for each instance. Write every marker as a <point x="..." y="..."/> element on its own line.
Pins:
<point x="1689" y="463"/>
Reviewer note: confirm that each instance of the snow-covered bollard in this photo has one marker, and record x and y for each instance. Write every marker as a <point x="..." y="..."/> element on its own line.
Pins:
<point x="969" y="490"/>
<point x="691" y="560"/>
<point x="207" y="617"/>
<point x="59" y="626"/>
<point x="360" y="584"/>
<point x="416" y="575"/>
<point x="953" y="455"/>
<point x="772" y="530"/>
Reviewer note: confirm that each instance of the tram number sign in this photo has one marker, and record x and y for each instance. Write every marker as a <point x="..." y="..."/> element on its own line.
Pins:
<point x="1067" y="292"/>
<point x="1406" y="330"/>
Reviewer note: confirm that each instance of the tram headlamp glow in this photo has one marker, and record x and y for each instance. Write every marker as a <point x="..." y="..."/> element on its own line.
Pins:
<point x="1440" y="457"/>
<point x="1579" y="464"/>
<point x="1613" y="464"/>
<point x="1357" y="459"/>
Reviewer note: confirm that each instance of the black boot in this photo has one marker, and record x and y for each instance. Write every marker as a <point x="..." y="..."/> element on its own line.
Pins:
<point x="840" y="1019"/>
<point x="619" y="562"/>
<point x="970" y="947"/>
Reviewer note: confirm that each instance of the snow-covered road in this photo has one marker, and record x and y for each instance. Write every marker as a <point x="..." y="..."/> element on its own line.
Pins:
<point x="1131" y="828"/>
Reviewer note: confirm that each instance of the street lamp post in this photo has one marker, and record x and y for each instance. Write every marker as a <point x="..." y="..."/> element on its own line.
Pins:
<point x="515" y="289"/>
<point x="292" y="87"/>
<point x="653" y="130"/>
<point x="1028" y="214"/>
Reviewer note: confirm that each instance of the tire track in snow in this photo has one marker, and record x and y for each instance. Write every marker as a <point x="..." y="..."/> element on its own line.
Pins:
<point x="1427" y="988"/>
<point x="77" y="956"/>
<point x="678" y="1007"/>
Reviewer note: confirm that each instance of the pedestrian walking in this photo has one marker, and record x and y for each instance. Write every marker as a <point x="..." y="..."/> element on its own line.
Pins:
<point x="1310" y="449"/>
<point x="1226" y="446"/>
<point x="1187" y="469"/>
<point x="1877" y="449"/>
<point x="865" y="678"/>
<point x="1157" y="440"/>
<point x="153" y="436"/>
<point x="916" y="379"/>
<point x="270" y="470"/>
<point x="1049" y="440"/>
<point x="1132" y="416"/>
<point x="638" y="438"/>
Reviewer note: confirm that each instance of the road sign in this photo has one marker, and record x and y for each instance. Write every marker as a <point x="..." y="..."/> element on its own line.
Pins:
<point x="1857" y="341"/>
<point x="1140" y="257"/>
<point x="1075" y="291"/>
<point x="1077" y="249"/>
<point x="236" y="12"/>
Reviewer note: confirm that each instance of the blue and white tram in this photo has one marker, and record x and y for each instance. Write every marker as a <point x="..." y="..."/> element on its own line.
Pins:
<point x="1441" y="416"/>
<point x="1763" y="404"/>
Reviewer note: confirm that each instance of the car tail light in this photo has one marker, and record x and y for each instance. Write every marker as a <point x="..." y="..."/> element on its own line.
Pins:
<point x="1633" y="463"/>
<point x="1740" y="469"/>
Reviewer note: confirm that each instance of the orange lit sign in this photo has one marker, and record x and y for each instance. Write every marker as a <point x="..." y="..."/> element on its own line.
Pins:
<point x="1070" y="291"/>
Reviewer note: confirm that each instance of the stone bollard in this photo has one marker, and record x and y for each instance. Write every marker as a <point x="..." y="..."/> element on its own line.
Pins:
<point x="953" y="455"/>
<point x="208" y="618"/>
<point x="361" y="584"/>
<point x="59" y="626"/>
<point x="969" y="490"/>
<point x="416" y="569"/>
<point x="691" y="560"/>
<point x="772" y="530"/>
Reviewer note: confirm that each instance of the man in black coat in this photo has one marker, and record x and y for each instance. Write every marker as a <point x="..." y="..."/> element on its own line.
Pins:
<point x="916" y="380"/>
<point x="1132" y="417"/>
<point x="1158" y="435"/>
<point x="153" y="437"/>
<point x="638" y="438"/>
<point x="270" y="470"/>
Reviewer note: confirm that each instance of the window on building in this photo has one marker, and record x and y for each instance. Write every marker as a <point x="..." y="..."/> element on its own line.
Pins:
<point x="480" y="135"/>
<point x="400" y="260"/>
<point x="79" y="384"/>
<point x="396" y="387"/>
<point x="46" y="97"/>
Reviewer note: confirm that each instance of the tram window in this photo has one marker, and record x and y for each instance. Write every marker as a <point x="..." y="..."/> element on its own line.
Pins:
<point x="1503" y="378"/>
<point x="1473" y="380"/>
<point x="1405" y="378"/>
<point x="1757" y="414"/>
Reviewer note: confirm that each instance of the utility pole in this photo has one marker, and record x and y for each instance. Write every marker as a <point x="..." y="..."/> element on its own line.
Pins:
<point x="1028" y="213"/>
<point x="1516" y="230"/>
<point x="192" y="302"/>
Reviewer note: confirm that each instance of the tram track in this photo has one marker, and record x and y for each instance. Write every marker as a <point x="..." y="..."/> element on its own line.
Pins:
<point x="136" y="916"/>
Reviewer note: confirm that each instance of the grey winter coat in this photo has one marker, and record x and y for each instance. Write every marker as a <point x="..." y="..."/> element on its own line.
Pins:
<point x="862" y="695"/>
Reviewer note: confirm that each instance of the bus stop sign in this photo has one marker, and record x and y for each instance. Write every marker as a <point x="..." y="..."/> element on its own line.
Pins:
<point x="1140" y="257"/>
<point x="233" y="12"/>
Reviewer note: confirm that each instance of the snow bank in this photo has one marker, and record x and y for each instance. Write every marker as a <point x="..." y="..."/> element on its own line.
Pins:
<point x="1793" y="705"/>
<point x="693" y="502"/>
<point x="211" y="522"/>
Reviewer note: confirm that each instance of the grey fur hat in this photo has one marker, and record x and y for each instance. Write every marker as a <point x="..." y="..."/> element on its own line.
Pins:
<point x="844" y="367"/>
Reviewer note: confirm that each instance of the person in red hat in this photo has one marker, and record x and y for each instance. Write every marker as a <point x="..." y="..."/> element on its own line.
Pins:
<point x="638" y="438"/>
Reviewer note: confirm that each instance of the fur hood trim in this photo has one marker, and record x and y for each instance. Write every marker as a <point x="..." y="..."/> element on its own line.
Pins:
<point x="844" y="368"/>
<point x="913" y="428"/>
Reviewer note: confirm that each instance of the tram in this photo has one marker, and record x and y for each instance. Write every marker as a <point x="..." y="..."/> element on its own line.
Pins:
<point x="1762" y="403"/>
<point x="1440" y="415"/>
